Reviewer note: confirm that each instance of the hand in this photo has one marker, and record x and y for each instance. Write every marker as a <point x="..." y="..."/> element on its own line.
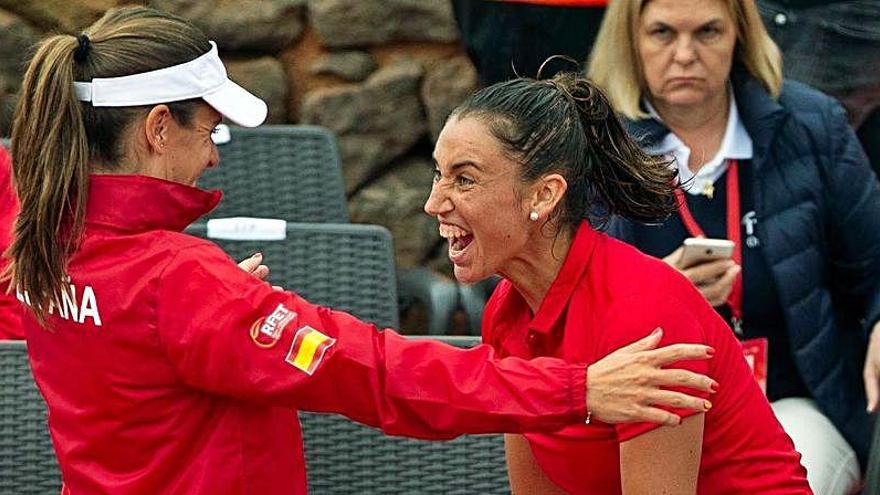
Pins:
<point x="254" y="266"/>
<point x="713" y="279"/>
<point x="623" y="386"/>
<point x="872" y="369"/>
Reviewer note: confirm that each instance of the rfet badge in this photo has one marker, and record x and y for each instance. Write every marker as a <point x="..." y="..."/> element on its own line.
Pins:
<point x="266" y="331"/>
<point x="308" y="349"/>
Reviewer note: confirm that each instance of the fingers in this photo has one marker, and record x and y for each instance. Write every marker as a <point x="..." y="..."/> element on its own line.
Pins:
<point x="254" y="266"/>
<point x="872" y="388"/>
<point x="678" y="400"/>
<point x="624" y="385"/>
<point x="644" y="344"/>
<point x="717" y="292"/>
<point x="251" y="264"/>
<point x="872" y="371"/>
<point x="674" y="258"/>
<point x="261" y="272"/>
<point x="654" y="415"/>
<point x="706" y="273"/>
<point x="679" y="352"/>
<point x="684" y="378"/>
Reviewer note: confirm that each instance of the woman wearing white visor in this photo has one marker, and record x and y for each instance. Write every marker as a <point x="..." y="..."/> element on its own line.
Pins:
<point x="165" y="367"/>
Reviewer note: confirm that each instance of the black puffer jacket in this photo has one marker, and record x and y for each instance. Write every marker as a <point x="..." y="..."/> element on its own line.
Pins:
<point x="818" y="206"/>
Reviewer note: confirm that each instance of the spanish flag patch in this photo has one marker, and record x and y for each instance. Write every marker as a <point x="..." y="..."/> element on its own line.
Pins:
<point x="308" y="348"/>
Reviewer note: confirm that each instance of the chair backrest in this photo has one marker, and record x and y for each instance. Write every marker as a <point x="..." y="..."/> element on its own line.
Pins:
<point x="349" y="267"/>
<point x="27" y="460"/>
<point x="289" y="172"/>
<point x="344" y="457"/>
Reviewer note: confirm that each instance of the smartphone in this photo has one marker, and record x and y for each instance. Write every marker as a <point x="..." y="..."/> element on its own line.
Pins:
<point x="699" y="250"/>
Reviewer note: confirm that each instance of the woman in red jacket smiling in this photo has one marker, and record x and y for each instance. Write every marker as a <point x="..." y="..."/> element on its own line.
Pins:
<point x="168" y="369"/>
<point x="549" y="159"/>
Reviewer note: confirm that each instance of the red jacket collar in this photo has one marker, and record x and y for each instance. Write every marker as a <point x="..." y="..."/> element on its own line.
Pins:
<point x="137" y="203"/>
<point x="561" y="290"/>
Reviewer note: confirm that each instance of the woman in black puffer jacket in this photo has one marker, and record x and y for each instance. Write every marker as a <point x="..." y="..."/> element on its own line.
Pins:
<point x="710" y="95"/>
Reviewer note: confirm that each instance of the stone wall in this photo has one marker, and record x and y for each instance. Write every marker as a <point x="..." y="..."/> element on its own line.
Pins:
<point x="382" y="74"/>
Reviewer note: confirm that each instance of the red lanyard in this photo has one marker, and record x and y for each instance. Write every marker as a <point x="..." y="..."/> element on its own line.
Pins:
<point x="734" y="300"/>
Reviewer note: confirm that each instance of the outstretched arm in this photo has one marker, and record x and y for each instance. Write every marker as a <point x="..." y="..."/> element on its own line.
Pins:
<point x="253" y="343"/>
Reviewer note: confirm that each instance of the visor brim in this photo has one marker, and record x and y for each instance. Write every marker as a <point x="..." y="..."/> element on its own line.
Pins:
<point x="238" y="105"/>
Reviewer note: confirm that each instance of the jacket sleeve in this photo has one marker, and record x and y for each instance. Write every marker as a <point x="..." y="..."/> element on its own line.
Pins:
<point x="853" y="193"/>
<point x="240" y="338"/>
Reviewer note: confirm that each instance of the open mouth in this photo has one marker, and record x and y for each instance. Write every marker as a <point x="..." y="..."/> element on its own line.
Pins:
<point x="458" y="240"/>
<point x="457" y="245"/>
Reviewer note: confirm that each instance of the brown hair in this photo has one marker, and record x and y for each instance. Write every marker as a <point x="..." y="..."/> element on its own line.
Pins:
<point x="56" y="137"/>
<point x="615" y="64"/>
<point x="566" y="125"/>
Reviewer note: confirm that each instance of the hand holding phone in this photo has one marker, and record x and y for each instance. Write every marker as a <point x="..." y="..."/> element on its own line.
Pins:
<point x="707" y="264"/>
<point x="699" y="250"/>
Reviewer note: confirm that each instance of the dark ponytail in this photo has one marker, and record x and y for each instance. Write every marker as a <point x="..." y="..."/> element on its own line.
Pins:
<point x="566" y="125"/>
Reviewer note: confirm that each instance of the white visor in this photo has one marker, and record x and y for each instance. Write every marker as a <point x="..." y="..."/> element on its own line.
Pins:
<point x="204" y="77"/>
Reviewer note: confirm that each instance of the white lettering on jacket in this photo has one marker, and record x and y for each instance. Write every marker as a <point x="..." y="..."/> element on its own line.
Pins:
<point x="276" y="322"/>
<point x="70" y="307"/>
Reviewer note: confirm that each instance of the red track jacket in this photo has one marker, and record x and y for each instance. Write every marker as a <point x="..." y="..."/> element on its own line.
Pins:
<point x="10" y="310"/>
<point x="167" y="369"/>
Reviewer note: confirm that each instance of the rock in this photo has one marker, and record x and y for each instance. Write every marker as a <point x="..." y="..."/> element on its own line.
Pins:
<point x="375" y="122"/>
<point x="445" y="86"/>
<point x="69" y="16"/>
<point x="351" y="66"/>
<point x="265" y="77"/>
<point x="16" y="40"/>
<point x="7" y="108"/>
<point x="346" y="23"/>
<point x="395" y="201"/>
<point x="262" y="25"/>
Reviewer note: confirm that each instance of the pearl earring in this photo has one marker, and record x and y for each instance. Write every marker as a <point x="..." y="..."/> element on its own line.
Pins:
<point x="533" y="216"/>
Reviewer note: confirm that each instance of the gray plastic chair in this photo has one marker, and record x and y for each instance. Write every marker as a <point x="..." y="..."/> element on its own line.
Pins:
<point x="294" y="173"/>
<point x="438" y="296"/>
<point x="344" y="457"/>
<point x="349" y="267"/>
<point x="473" y="300"/>
<point x="288" y="172"/>
<point x="27" y="460"/>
